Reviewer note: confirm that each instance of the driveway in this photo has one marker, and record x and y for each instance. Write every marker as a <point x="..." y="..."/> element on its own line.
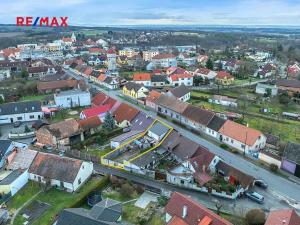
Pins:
<point x="7" y="128"/>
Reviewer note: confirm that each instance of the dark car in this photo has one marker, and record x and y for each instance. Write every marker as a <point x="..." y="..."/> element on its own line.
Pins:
<point x="255" y="197"/>
<point x="261" y="184"/>
<point x="17" y="124"/>
<point x="48" y="148"/>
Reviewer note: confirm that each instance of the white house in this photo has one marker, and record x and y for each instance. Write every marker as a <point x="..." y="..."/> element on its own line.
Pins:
<point x="13" y="182"/>
<point x="181" y="79"/>
<point x="164" y="61"/>
<point x="223" y="100"/>
<point x="158" y="131"/>
<point x="72" y="98"/>
<point x="245" y="139"/>
<point x="261" y="88"/>
<point x="181" y="92"/>
<point x="4" y="74"/>
<point x="61" y="172"/>
<point x="20" y="111"/>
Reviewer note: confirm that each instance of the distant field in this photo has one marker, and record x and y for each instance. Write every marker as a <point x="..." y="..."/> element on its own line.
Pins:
<point x="11" y="34"/>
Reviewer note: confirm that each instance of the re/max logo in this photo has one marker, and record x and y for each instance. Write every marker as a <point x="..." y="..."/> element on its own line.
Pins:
<point x="30" y="21"/>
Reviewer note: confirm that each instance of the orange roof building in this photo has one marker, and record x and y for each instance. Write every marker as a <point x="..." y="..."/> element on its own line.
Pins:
<point x="283" y="217"/>
<point x="242" y="137"/>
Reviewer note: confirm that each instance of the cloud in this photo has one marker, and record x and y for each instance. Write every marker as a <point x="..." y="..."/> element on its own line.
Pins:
<point x="131" y="12"/>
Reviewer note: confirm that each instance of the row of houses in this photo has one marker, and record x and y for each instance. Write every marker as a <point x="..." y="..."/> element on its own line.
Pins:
<point x="238" y="136"/>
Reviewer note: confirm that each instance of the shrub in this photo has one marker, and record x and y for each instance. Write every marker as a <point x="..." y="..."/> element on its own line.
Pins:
<point x="224" y="146"/>
<point x="162" y="201"/>
<point x="273" y="167"/>
<point x="255" y="217"/>
<point x="127" y="190"/>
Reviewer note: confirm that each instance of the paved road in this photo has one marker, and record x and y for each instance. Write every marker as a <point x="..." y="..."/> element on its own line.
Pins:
<point x="281" y="191"/>
<point x="235" y="207"/>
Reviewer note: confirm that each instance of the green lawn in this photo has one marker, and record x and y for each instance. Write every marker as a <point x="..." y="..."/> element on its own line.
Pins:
<point x="23" y="195"/>
<point x="64" y="114"/>
<point x="157" y="220"/>
<point x="116" y="195"/>
<point x="56" y="198"/>
<point x="33" y="98"/>
<point x="287" y="130"/>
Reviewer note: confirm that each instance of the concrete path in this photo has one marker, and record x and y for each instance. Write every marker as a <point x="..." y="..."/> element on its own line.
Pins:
<point x="145" y="199"/>
<point x="23" y="206"/>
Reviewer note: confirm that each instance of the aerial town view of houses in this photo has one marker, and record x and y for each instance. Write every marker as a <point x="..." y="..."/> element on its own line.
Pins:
<point x="154" y="121"/>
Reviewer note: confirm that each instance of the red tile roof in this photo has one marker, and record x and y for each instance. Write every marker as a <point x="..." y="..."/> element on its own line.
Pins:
<point x="163" y="56"/>
<point x="64" y="39"/>
<point x="175" y="77"/>
<point x="91" y="122"/>
<point x="142" y="77"/>
<point x="224" y="75"/>
<point x="125" y="112"/>
<point x="196" y="213"/>
<point x="177" y="221"/>
<point x="96" y="111"/>
<point x="203" y="71"/>
<point x="111" y="51"/>
<point x="96" y="50"/>
<point x="99" y="99"/>
<point x="102" y="77"/>
<point x="283" y="217"/>
<point x="153" y="96"/>
<point x="240" y="132"/>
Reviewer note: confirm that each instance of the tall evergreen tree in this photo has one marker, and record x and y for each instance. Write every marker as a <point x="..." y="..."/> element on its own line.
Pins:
<point x="209" y="64"/>
<point x="109" y="122"/>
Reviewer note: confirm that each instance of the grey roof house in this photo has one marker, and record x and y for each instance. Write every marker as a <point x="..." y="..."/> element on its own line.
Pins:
<point x="20" y="111"/>
<point x="106" y="212"/>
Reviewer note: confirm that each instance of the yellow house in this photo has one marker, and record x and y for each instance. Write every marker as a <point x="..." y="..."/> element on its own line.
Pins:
<point x="122" y="60"/>
<point x="224" y="78"/>
<point x="134" y="90"/>
<point x="13" y="182"/>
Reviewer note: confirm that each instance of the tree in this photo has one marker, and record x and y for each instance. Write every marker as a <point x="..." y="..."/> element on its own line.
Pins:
<point x="109" y="122"/>
<point x="126" y="190"/>
<point x="268" y="92"/>
<point x="198" y="80"/>
<point x="26" y="129"/>
<point x="209" y="64"/>
<point x="255" y="217"/>
<point x="273" y="167"/>
<point x="24" y="74"/>
<point x="1" y="100"/>
<point x="284" y="98"/>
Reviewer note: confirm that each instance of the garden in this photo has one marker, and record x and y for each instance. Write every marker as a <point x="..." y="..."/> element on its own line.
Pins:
<point x="53" y="201"/>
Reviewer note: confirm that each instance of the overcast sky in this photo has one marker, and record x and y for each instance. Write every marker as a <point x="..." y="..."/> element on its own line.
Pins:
<point x="159" y="12"/>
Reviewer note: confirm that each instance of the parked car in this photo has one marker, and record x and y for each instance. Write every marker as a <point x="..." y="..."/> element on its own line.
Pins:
<point x="48" y="148"/>
<point x="17" y="124"/>
<point x="33" y="141"/>
<point x="255" y="197"/>
<point x="261" y="183"/>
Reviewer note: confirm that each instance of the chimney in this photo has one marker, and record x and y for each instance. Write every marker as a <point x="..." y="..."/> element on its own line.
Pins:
<point x="184" y="211"/>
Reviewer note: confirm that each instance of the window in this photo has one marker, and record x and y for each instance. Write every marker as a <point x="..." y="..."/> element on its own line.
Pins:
<point x="177" y="116"/>
<point x="182" y="181"/>
<point x="31" y="117"/>
<point x="231" y="141"/>
<point x="79" y="181"/>
<point x="212" y="132"/>
<point x="243" y="146"/>
<point x="19" y="118"/>
<point x="159" y="109"/>
<point x="227" y="139"/>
